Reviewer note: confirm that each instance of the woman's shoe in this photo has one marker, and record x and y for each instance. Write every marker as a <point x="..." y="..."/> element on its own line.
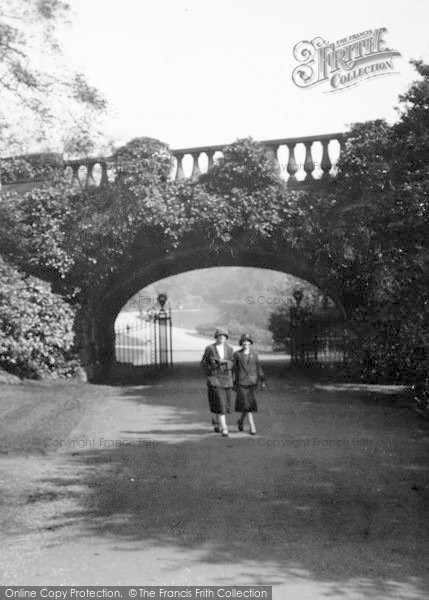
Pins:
<point x="253" y="432"/>
<point x="240" y="424"/>
<point x="215" y="425"/>
<point x="225" y="432"/>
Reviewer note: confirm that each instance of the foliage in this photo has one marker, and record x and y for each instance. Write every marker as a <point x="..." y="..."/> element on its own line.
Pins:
<point x="368" y="237"/>
<point x="42" y="166"/>
<point x="43" y="102"/>
<point x="247" y="190"/>
<point x="36" y="327"/>
<point x="316" y="314"/>
<point x="142" y="163"/>
<point x="83" y="237"/>
<point x="34" y="230"/>
<point x="395" y="222"/>
<point x="245" y="165"/>
<point x="279" y="324"/>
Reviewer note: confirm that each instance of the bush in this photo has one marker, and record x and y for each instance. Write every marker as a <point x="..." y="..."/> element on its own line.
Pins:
<point x="245" y="165"/>
<point x="142" y="163"/>
<point x="36" y="327"/>
<point x="29" y="167"/>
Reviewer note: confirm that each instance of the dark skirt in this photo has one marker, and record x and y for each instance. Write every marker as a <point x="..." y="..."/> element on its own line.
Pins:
<point x="219" y="399"/>
<point x="246" y="399"/>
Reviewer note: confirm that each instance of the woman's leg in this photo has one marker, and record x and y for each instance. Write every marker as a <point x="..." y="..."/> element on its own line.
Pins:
<point x="251" y="422"/>
<point x="213" y="405"/>
<point x="240" y="421"/>
<point x="222" y="425"/>
<point x="224" y="408"/>
<point x="215" y="422"/>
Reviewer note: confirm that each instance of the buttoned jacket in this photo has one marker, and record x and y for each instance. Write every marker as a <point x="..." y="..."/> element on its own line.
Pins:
<point x="218" y="370"/>
<point x="247" y="368"/>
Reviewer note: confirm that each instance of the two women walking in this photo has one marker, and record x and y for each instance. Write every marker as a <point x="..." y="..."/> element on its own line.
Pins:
<point x="227" y="370"/>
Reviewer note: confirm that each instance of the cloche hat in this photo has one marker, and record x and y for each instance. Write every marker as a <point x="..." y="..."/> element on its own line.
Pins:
<point x="221" y="331"/>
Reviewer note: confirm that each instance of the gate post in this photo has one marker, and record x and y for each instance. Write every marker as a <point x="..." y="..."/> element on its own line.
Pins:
<point x="95" y="342"/>
<point x="164" y="332"/>
<point x="297" y="329"/>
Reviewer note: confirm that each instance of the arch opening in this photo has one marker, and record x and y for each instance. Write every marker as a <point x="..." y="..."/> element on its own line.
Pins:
<point x="150" y="265"/>
<point x="243" y="299"/>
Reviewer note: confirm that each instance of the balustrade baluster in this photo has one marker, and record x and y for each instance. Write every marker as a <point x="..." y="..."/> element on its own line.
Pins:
<point x="291" y="165"/>
<point x="75" y="182"/>
<point x="210" y="157"/>
<point x="180" y="174"/>
<point x="326" y="161"/>
<point x="196" y="167"/>
<point x="67" y="173"/>
<point x="308" y="162"/>
<point x="89" y="182"/>
<point x="104" y="179"/>
<point x="342" y="143"/>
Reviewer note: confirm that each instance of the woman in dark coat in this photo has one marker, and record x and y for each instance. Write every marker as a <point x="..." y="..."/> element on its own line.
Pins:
<point x="247" y="373"/>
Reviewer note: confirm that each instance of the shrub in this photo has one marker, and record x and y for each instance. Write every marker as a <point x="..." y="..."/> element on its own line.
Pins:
<point x="245" y="165"/>
<point x="36" y="327"/>
<point x="29" y="167"/>
<point x="141" y="164"/>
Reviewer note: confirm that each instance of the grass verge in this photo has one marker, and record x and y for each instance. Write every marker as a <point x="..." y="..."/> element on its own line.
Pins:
<point x="36" y="410"/>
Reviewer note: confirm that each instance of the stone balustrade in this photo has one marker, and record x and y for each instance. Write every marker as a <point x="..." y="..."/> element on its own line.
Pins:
<point x="89" y="172"/>
<point x="301" y="161"/>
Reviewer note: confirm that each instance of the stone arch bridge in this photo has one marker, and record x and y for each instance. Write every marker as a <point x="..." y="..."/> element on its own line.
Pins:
<point x="304" y="163"/>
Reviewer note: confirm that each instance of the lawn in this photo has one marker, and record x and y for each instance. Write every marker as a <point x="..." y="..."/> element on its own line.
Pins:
<point x="34" y="411"/>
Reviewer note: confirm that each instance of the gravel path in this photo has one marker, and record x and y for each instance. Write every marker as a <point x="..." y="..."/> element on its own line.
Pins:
<point x="327" y="501"/>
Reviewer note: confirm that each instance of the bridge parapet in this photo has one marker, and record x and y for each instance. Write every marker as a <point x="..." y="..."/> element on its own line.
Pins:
<point x="301" y="161"/>
<point x="90" y="172"/>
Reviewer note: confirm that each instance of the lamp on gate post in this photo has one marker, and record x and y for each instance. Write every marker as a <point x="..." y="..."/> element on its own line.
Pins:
<point x="162" y="299"/>
<point x="296" y="327"/>
<point x="163" y="319"/>
<point x="298" y="295"/>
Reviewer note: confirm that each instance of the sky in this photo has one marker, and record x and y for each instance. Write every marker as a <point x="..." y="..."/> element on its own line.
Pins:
<point x="200" y="72"/>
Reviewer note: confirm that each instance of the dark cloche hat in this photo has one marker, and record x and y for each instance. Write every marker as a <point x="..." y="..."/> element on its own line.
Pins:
<point x="244" y="337"/>
<point x="221" y="331"/>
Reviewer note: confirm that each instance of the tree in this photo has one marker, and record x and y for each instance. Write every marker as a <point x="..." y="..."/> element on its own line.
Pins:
<point x="43" y="104"/>
<point x="369" y="236"/>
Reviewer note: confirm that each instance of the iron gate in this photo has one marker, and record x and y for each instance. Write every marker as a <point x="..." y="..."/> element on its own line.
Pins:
<point x="329" y="344"/>
<point x="318" y="338"/>
<point x="147" y="341"/>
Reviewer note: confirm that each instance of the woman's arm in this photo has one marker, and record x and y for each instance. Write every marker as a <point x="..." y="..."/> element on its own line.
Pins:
<point x="260" y="372"/>
<point x="209" y="362"/>
<point x="235" y="371"/>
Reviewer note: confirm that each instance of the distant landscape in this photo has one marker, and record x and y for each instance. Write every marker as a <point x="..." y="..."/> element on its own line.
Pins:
<point x="241" y="298"/>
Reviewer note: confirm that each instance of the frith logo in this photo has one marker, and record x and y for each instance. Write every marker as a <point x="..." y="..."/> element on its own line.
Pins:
<point x="343" y="63"/>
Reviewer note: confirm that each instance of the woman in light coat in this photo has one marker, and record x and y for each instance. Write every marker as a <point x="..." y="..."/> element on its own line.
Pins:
<point x="217" y="363"/>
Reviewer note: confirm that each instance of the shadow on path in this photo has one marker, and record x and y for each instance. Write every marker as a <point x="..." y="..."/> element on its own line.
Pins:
<point x="332" y="490"/>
